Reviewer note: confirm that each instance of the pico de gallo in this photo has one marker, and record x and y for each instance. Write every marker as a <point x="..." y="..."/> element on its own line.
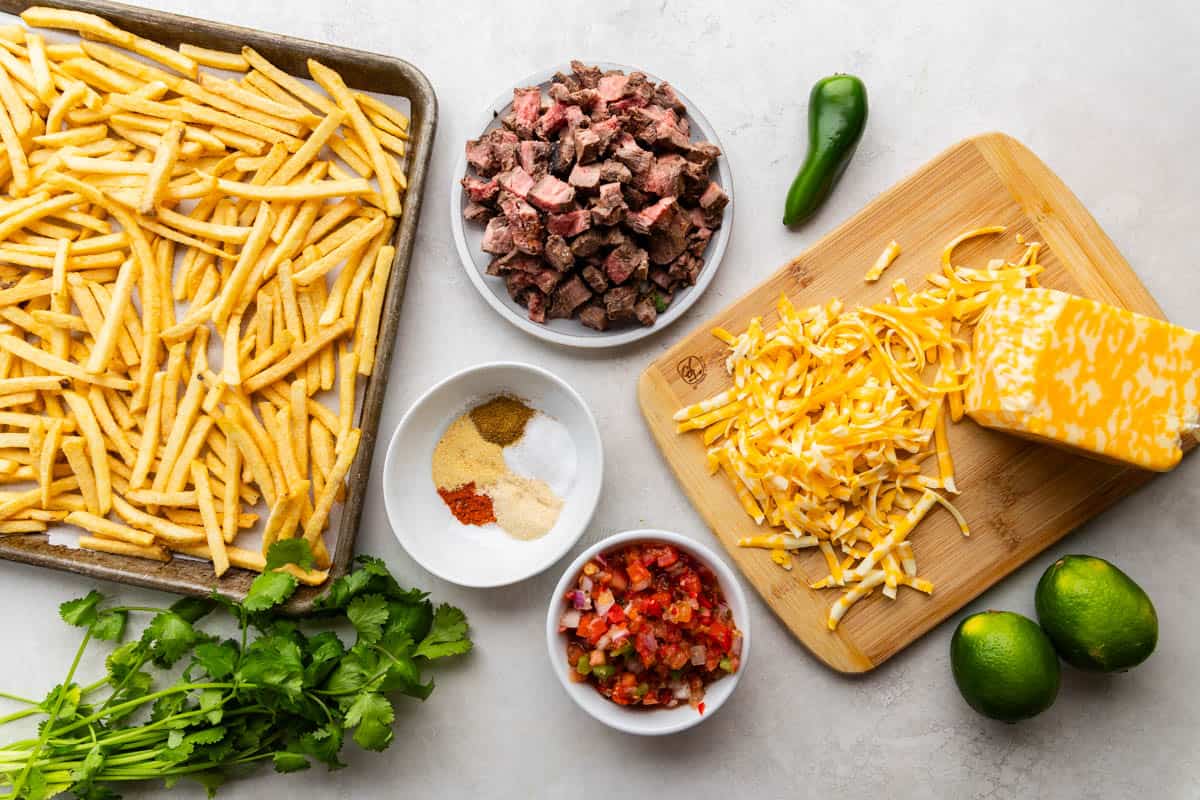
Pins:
<point x="648" y="625"/>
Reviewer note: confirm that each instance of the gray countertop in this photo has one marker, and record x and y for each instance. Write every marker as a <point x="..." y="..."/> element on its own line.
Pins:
<point x="1106" y="98"/>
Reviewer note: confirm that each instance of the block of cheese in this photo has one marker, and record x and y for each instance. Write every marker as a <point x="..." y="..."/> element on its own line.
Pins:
<point x="1104" y="381"/>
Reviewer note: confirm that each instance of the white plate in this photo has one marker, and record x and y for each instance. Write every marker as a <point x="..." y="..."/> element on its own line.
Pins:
<point x="485" y="556"/>
<point x="647" y="721"/>
<point x="572" y="332"/>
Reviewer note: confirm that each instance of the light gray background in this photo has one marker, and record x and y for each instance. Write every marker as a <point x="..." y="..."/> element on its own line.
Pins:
<point x="1107" y="98"/>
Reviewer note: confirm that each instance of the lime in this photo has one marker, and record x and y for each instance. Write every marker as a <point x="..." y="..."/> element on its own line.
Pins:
<point x="1097" y="617"/>
<point x="1004" y="665"/>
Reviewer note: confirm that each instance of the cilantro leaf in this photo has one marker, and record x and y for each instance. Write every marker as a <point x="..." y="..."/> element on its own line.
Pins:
<point x="110" y="625"/>
<point x="135" y="685"/>
<point x="413" y="619"/>
<point x="324" y="744"/>
<point x="217" y="659"/>
<point x="169" y="636"/>
<point x="351" y="673"/>
<point x="287" y="761"/>
<point x="371" y="576"/>
<point x="81" y="612"/>
<point x="371" y="717"/>
<point x="269" y="590"/>
<point x="273" y="662"/>
<point x="368" y="613"/>
<point x="290" y="551"/>
<point x="448" y="636"/>
<point x="211" y="700"/>
<point x="168" y="706"/>
<point x="125" y="659"/>
<point x="194" y="609"/>
<point x="323" y="651"/>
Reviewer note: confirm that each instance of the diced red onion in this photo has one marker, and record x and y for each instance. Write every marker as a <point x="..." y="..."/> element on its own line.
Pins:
<point x="682" y="692"/>
<point x="570" y="618"/>
<point x="585" y="583"/>
<point x="647" y="641"/>
<point x="699" y="655"/>
<point x="601" y="560"/>
<point x="604" y="601"/>
<point x="618" y="634"/>
<point x="580" y="600"/>
<point x="604" y="641"/>
<point x="736" y="648"/>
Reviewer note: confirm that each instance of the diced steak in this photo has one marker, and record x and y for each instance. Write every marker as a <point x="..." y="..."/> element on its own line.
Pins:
<point x="685" y="269"/>
<point x="618" y="302"/>
<point x="612" y="86"/>
<point x="502" y="149"/>
<point x="497" y="237"/>
<point x="481" y="158"/>
<point x="614" y="171"/>
<point x="695" y="181"/>
<point x="631" y="155"/>
<point x="587" y="145"/>
<point x="516" y="181"/>
<point x="698" y="240"/>
<point x="570" y="82"/>
<point x="634" y="198"/>
<point x="624" y="261"/>
<point x="568" y="297"/>
<point x="575" y="116"/>
<point x="646" y="312"/>
<point x="654" y="216"/>
<point x="656" y="126"/>
<point x="713" y="201"/>
<point x="551" y="194"/>
<point x="607" y="130"/>
<point x="665" y="176"/>
<point x="670" y="238"/>
<point x="534" y="157"/>
<point x="525" y="225"/>
<point x="527" y="107"/>
<point x="594" y="317"/>
<point x="517" y="283"/>
<point x="551" y="121"/>
<point x="703" y="153"/>
<point x="664" y="95"/>
<point x="588" y="77"/>
<point x="563" y="154"/>
<point x="609" y="208"/>
<point x="660" y="277"/>
<point x="547" y="279"/>
<point x="585" y="177"/>
<point x="478" y="212"/>
<point x="595" y="278"/>
<point x="480" y="191"/>
<point x="514" y="261"/>
<point x="572" y="223"/>
<point x="536" y="303"/>
<point x="558" y="253"/>
<point x="587" y="243"/>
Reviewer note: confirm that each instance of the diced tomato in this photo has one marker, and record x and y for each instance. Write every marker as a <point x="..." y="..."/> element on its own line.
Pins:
<point x="665" y="556"/>
<point x="616" y="614"/>
<point x="619" y="582"/>
<point x="679" y="613"/>
<point x="591" y="628"/>
<point x="639" y="577"/>
<point x="722" y="635"/>
<point x="689" y="583"/>
<point x="650" y="606"/>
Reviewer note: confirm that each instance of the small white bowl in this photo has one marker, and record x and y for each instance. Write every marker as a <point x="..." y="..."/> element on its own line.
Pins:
<point x="647" y="721"/>
<point x="485" y="556"/>
<point x="572" y="332"/>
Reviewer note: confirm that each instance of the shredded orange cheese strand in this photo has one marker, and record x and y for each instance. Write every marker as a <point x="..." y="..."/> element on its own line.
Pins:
<point x="833" y="414"/>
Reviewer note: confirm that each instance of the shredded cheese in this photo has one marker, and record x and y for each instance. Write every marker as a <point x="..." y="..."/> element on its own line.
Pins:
<point x="833" y="415"/>
<point x="883" y="262"/>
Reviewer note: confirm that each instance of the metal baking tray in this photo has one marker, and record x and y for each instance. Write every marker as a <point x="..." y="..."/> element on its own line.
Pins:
<point x="364" y="71"/>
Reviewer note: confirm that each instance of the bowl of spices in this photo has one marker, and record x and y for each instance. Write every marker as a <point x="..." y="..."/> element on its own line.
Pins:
<point x="493" y="474"/>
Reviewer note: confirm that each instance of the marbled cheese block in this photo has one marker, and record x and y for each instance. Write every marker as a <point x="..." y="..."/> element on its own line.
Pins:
<point x="1102" y="380"/>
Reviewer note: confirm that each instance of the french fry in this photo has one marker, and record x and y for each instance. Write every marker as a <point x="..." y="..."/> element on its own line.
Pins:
<point x="217" y="59"/>
<point x="78" y="21"/>
<point x="232" y="491"/>
<point x="208" y="513"/>
<point x="162" y="528"/>
<point x="73" y="448"/>
<point x="161" y="168"/>
<point x="97" y="450"/>
<point x="152" y="552"/>
<point x="108" y="529"/>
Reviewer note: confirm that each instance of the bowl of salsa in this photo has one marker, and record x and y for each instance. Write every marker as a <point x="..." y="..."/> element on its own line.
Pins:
<point x="648" y="632"/>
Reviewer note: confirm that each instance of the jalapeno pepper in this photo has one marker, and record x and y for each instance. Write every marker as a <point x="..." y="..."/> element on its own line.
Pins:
<point x="837" y="115"/>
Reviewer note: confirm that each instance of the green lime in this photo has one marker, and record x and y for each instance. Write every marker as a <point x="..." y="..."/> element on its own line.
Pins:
<point x="1097" y="617"/>
<point x="1004" y="665"/>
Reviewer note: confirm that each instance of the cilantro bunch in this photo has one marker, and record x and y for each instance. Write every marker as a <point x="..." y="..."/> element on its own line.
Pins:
<point x="282" y="690"/>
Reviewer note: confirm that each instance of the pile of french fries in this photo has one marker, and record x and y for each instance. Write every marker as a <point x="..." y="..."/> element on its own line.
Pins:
<point x="134" y="182"/>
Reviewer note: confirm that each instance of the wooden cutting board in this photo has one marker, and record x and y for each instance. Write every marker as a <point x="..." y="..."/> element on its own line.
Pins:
<point x="1018" y="497"/>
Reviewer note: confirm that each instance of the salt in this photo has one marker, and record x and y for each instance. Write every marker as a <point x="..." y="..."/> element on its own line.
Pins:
<point x="545" y="452"/>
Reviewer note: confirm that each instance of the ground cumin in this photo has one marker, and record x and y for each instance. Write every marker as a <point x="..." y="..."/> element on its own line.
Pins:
<point x="467" y="506"/>
<point x="501" y="420"/>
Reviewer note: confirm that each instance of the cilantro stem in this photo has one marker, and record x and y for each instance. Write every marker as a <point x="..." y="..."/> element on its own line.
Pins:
<point x="18" y="699"/>
<point x="141" y="701"/>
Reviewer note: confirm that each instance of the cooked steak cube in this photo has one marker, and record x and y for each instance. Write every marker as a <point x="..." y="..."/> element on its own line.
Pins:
<point x="480" y="191"/>
<point x="551" y="194"/>
<point x="584" y="98"/>
<point x="575" y="116"/>
<point x="516" y="181"/>
<point x="517" y="283"/>
<point x="481" y="157"/>
<point x="552" y="121"/>
<point x="594" y="317"/>
<point x="624" y="261"/>
<point x="665" y="176"/>
<point x="558" y="253"/>
<point x="534" y="157"/>
<point x="612" y="86"/>
<point x="614" y="171"/>
<point x="547" y="279"/>
<point x="635" y="199"/>
<point x="631" y="155"/>
<point x="703" y="153"/>
<point x="563" y="154"/>
<point x="698" y="240"/>
<point x="569" y="82"/>
<point x="695" y="181"/>
<point x="659" y="276"/>
<point x="572" y="223"/>
<point x="713" y="201"/>
<point x="654" y="216"/>
<point x="585" y="177"/>
<point x="609" y="208"/>
<point x="503" y="147"/>
<point x="618" y="302"/>
<point x="527" y="107"/>
<point x="607" y="129"/>
<point x="685" y="269"/>
<point x="568" y="297"/>
<point x="478" y="212"/>
<point x="587" y="243"/>
<point x="536" y="303"/>
<point x="670" y="239"/>
<point x="595" y="278"/>
<point x="646" y="312"/>
<point x="656" y="126"/>
<point x="665" y="96"/>
<point x="497" y="237"/>
<point x="525" y="225"/>
<point x="588" y="77"/>
<point x="587" y="145"/>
